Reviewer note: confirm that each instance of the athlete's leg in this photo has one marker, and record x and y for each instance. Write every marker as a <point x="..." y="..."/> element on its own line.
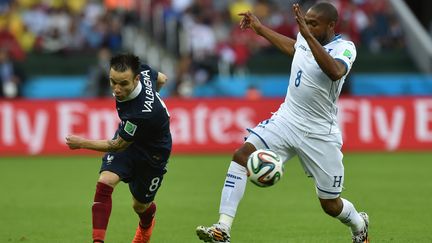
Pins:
<point x="115" y="167"/>
<point x="143" y="186"/>
<point x="321" y="157"/>
<point x="269" y="134"/>
<point x="146" y="213"/>
<point x="232" y="193"/>
<point x="102" y="204"/>
<point x="345" y="211"/>
<point x="235" y="184"/>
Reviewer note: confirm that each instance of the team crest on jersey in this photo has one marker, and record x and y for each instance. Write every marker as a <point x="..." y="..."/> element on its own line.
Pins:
<point x="130" y="128"/>
<point x="110" y="159"/>
<point x="347" y="53"/>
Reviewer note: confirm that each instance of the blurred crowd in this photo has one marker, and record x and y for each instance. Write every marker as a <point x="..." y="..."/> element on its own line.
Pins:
<point x="209" y="40"/>
<point x="61" y="27"/>
<point x="203" y="36"/>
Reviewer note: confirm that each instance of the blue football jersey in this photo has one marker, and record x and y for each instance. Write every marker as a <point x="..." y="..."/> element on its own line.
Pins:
<point x="145" y="121"/>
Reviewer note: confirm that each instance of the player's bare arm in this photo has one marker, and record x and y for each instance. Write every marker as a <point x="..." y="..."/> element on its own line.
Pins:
<point x="114" y="145"/>
<point x="161" y="81"/>
<point x="283" y="43"/>
<point x="333" y="68"/>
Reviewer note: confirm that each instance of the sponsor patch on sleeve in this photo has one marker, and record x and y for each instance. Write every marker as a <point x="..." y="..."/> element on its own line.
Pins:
<point x="347" y="53"/>
<point x="130" y="128"/>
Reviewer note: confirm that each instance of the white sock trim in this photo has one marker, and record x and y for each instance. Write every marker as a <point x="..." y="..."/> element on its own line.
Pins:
<point x="235" y="167"/>
<point x="226" y="220"/>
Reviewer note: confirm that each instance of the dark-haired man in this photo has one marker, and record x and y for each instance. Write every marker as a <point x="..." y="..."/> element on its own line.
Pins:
<point x="140" y="148"/>
<point x="305" y="124"/>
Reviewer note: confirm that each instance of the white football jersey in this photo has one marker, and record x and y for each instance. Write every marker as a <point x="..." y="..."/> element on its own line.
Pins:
<point x="310" y="103"/>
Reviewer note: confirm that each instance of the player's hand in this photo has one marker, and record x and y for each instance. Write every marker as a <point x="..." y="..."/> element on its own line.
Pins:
<point x="299" y="16"/>
<point x="249" y="21"/>
<point x="74" y="142"/>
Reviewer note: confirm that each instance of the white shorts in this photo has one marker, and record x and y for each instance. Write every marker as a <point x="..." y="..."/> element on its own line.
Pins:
<point x="320" y="154"/>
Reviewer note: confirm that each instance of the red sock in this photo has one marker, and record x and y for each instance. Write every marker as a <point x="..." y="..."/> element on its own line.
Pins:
<point x="101" y="210"/>
<point x="147" y="216"/>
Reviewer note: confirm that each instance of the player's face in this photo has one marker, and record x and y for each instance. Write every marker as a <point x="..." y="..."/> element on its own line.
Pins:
<point x="122" y="83"/>
<point x="319" y="26"/>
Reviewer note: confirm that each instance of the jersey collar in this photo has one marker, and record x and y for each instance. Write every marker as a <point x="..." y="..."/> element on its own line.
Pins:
<point x="133" y="94"/>
<point x="335" y="38"/>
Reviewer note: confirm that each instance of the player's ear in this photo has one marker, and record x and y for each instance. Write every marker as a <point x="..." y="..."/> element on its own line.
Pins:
<point x="332" y="24"/>
<point x="136" y="80"/>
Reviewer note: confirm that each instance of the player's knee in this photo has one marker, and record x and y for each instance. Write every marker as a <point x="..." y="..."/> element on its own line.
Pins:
<point x="332" y="207"/>
<point x="241" y="155"/>
<point x="109" y="178"/>
<point x="140" y="207"/>
<point x="108" y="182"/>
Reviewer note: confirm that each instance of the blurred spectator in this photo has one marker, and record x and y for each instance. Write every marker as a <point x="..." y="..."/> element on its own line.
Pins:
<point x="253" y="93"/>
<point x="353" y="21"/>
<point x="284" y="23"/>
<point x="180" y="6"/>
<point x="113" y="37"/>
<point x="201" y="44"/>
<point x="76" y="6"/>
<point x="92" y="12"/>
<point x="36" y="19"/>
<point x="262" y="9"/>
<point x="239" y="6"/>
<point x="9" y="42"/>
<point x="59" y="19"/>
<point x="95" y="34"/>
<point x="11" y="77"/>
<point x="27" y="40"/>
<point x="98" y="82"/>
<point x="116" y="4"/>
<point x="54" y="41"/>
<point x="75" y="38"/>
<point x="395" y="36"/>
<point x="4" y="5"/>
<point x="183" y="82"/>
<point x="14" y="21"/>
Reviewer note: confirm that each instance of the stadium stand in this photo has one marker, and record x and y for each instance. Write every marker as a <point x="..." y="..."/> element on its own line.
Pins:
<point x="197" y="43"/>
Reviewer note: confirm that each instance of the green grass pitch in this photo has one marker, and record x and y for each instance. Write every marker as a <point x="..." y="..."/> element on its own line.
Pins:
<point x="48" y="199"/>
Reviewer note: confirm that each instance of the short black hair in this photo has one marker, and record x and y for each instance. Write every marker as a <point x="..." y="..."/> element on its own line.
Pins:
<point x="124" y="61"/>
<point x="327" y="9"/>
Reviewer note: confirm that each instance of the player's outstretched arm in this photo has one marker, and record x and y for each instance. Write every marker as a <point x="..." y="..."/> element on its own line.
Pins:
<point x="161" y="81"/>
<point x="333" y="68"/>
<point x="283" y="43"/>
<point x="117" y="144"/>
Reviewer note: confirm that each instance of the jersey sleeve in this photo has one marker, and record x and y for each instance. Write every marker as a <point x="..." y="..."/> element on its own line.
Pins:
<point x="345" y="53"/>
<point x="298" y="39"/>
<point x="129" y="129"/>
